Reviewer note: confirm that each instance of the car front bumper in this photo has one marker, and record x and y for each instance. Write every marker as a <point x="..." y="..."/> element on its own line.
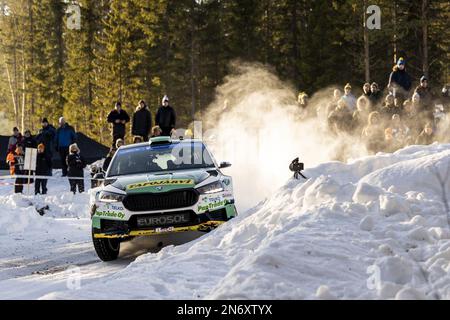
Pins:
<point x="203" y="222"/>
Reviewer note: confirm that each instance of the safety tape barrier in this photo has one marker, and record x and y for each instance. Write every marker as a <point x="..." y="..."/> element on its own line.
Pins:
<point x="9" y="177"/>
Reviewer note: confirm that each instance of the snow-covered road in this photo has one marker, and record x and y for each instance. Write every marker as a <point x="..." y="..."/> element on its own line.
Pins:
<point x="36" y="264"/>
<point x="372" y="228"/>
<point x="61" y="258"/>
<point x="38" y="254"/>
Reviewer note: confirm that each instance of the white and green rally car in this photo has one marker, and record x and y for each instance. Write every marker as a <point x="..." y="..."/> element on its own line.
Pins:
<point x="156" y="188"/>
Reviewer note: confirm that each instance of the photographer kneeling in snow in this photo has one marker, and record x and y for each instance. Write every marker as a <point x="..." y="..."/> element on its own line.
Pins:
<point x="76" y="164"/>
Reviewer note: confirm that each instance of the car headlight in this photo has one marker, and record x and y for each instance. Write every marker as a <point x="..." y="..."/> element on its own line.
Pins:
<point x="106" y="196"/>
<point x="211" y="188"/>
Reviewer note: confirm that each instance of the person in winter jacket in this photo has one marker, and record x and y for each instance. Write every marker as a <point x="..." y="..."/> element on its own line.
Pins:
<point x="108" y="158"/>
<point x="47" y="136"/>
<point x="445" y="98"/>
<point x="142" y="121"/>
<point x="366" y="90"/>
<point x="426" y="105"/>
<point x="75" y="164"/>
<point x="427" y="135"/>
<point x="391" y="143"/>
<point x="375" y="96"/>
<point x="333" y="103"/>
<point x="361" y="114"/>
<point x="411" y="118"/>
<point x="65" y="136"/>
<point x="349" y="98"/>
<point x="373" y="133"/>
<point x="10" y="162"/>
<point x="14" y="140"/>
<point x="138" y="139"/>
<point x="156" y="131"/>
<point x="340" y="120"/>
<point x="16" y="161"/>
<point x="390" y="108"/>
<point x="303" y="103"/>
<point x="119" y="143"/>
<point x="399" y="130"/>
<point x="28" y="140"/>
<point x="423" y="90"/>
<point x="43" y="168"/>
<point x="118" y="118"/>
<point x="399" y="80"/>
<point x="165" y="117"/>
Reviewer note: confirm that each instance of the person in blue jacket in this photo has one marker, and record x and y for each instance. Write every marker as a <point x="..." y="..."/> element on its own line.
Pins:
<point x="399" y="80"/>
<point x="65" y="136"/>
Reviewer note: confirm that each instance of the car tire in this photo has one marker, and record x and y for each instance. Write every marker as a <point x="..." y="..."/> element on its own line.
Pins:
<point x="107" y="249"/>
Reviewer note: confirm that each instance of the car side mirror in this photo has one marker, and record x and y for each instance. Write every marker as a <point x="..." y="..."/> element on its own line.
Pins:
<point x="224" y="165"/>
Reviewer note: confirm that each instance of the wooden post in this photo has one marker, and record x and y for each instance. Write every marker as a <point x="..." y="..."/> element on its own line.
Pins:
<point x="29" y="176"/>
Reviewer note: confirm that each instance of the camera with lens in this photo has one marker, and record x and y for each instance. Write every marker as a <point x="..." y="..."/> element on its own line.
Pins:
<point x="297" y="167"/>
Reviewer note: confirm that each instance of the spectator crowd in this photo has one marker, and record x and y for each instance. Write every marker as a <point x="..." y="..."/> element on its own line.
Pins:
<point x="386" y="121"/>
<point x="62" y="141"/>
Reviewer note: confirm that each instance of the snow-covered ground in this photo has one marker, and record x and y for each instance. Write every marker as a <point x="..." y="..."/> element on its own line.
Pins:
<point x="373" y="228"/>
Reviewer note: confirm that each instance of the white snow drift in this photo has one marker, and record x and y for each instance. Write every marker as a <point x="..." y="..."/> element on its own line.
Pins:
<point x="373" y="228"/>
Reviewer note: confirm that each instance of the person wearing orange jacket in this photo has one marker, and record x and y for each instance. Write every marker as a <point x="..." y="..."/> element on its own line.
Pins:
<point x="16" y="161"/>
<point x="10" y="162"/>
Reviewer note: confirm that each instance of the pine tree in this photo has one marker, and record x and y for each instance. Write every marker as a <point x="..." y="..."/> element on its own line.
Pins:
<point x="48" y="47"/>
<point x="78" y="71"/>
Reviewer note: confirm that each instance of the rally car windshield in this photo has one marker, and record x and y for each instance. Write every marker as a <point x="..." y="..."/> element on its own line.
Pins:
<point x="151" y="159"/>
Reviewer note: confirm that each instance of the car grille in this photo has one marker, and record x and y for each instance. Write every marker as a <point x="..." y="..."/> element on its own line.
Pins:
<point x="160" y="201"/>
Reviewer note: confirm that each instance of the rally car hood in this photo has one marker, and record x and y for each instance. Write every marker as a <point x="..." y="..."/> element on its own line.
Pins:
<point x="162" y="182"/>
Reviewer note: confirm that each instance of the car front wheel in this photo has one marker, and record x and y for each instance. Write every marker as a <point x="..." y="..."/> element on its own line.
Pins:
<point x="107" y="249"/>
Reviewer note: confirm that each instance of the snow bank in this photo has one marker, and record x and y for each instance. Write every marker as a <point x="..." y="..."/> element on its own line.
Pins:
<point x="19" y="211"/>
<point x="372" y="228"/>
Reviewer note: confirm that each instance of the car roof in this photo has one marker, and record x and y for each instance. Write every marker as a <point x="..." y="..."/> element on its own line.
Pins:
<point x="171" y="142"/>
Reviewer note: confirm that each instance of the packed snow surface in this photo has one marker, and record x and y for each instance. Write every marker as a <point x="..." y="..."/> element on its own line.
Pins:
<point x="373" y="228"/>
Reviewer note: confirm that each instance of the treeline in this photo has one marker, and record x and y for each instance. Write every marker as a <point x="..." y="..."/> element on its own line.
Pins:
<point x="143" y="49"/>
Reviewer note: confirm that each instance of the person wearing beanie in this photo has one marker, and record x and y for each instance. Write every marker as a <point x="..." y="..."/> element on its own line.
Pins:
<point x="118" y="118"/>
<point x="43" y="168"/>
<point x="75" y="164"/>
<point x="426" y="105"/>
<point x="166" y="118"/>
<point x="399" y="80"/>
<point x="47" y="136"/>
<point x="142" y="121"/>
<point x="65" y="136"/>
